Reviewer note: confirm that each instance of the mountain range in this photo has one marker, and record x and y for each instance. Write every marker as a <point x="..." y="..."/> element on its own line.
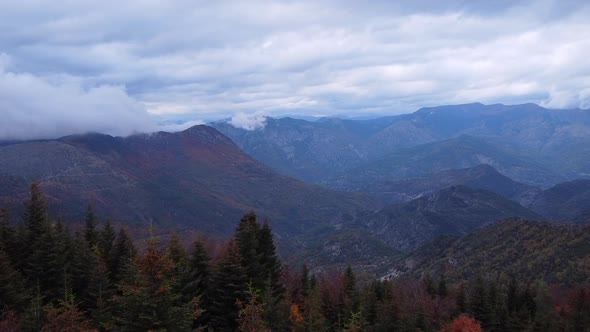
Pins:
<point x="335" y="191"/>
<point x="529" y="143"/>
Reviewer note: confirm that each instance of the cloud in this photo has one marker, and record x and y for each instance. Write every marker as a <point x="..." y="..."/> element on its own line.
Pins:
<point x="248" y="121"/>
<point x="34" y="107"/>
<point x="212" y="60"/>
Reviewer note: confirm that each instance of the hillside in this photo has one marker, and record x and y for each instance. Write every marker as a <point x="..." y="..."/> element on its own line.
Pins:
<point x="461" y="152"/>
<point x="197" y="178"/>
<point x="481" y="176"/>
<point x="530" y="250"/>
<point x="568" y="201"/>
<point x="455" y="210"/>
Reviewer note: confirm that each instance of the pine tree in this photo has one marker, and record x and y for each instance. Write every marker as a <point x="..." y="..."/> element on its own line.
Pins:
<point x="250" y="314"/>
<point x="79" y="265"/>
<point x="40" y="264"/>
<point x="350" y="288"/>
<point x="176" y="252"/>
<point x="7" y="234"/>
<point x="100" y="291"/>
<point x="270" y="263"/>
<point x="65" y="316"/>
<point x="228" y="286"/>
<point x="313" y="317"/>
<point x="34" y="316"/>
<point x="122" y="253"/>
<point x="106" y="238"/>
<point x="247" y="235"/>
<point x="195" y="281"/>
<point x="479" y="305"/>
<point x="147" y="301"/>
<point x="36" y="219"/>
<point x="90" y="233"/>
<point x="13" y="292"/>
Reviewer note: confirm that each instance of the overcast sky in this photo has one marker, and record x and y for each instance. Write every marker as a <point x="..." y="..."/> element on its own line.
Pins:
<point x="119" y="66"/>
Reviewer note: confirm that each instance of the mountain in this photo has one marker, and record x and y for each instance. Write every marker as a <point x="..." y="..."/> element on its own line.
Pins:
<point x="307" y="150"/>
<point x="557" y="140"/>
<point x="481" y="176"/>
<point x="528" y="249"/>
<point x="568" y="201"/>
<point x="454" y="210"/>
<point x="197" y="178"/>
<point x="460" y="152"/>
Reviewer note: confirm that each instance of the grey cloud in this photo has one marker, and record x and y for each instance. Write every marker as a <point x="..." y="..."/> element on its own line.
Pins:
<point x="217" y="59"/>
<point x="33" y="107"/>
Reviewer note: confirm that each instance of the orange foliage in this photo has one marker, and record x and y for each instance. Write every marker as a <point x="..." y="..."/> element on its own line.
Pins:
<point x="463" y="324"/>
<point x="295" y="315"/>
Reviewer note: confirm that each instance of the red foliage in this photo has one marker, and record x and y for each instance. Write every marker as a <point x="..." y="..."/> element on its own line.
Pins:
<point x="463" y="324"/>
<point x="9" y="322"/>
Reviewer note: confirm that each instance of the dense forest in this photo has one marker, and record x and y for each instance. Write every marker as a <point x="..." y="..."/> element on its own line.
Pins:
<point x="55" y="277"/>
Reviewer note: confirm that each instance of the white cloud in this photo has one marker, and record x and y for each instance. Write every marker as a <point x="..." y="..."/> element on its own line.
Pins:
<point x="248" y="121"/>
<point x="35" y="107"/>
<point x="216" y="59"/>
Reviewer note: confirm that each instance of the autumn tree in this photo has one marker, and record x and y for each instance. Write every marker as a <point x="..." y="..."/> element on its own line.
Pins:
<point x="463" y="323"/>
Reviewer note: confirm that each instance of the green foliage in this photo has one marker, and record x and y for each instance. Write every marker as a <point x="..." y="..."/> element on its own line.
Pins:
<point x="111" y="287"/>
<point x="228" y="285"/>
<point x="146" y="301"/>
<point x="90" y="233"/>
<point x="122" y="253"/>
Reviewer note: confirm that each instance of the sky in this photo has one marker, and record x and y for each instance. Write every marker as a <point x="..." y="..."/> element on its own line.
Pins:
<point x="119" y="67"/>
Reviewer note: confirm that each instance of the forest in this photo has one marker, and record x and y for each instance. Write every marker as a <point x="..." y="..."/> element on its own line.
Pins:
<point x="57" y="277"/>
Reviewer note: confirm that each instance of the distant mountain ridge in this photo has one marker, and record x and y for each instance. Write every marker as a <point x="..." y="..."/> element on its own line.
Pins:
<point x="556" y="140"/>
<point x="482" y="176"/>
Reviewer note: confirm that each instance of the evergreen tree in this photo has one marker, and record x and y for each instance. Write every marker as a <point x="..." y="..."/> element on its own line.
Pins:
<point x="106" y="238"/>
<point x="100" y="291"/>
<point x="176" y="252"/>
<point x="247" y="235"/>
<point x="79" y="267"/>
<point x="122" y="253"/>
<point x="90" y="233"/>
<point x="13" y="292"/>
<point x="250" y="315"/>
<point x="147" y="301"/>
<point x="8" y="237"/>
<point x="270" y="263"/>
<point x="34" y="316"/>
<point x="40" y="264"/>
<point x="65" y="316"/>
<point x="479" y="306"/>
<point x="228" y="286"/>
<point x="36" y="219"/>
<point x="313" y="317"/>
<point x="195" y="280"/>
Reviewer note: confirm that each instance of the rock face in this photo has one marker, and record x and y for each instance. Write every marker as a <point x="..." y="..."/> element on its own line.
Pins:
<point x="555" y="142"/>
<point x="197" y="178"/>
